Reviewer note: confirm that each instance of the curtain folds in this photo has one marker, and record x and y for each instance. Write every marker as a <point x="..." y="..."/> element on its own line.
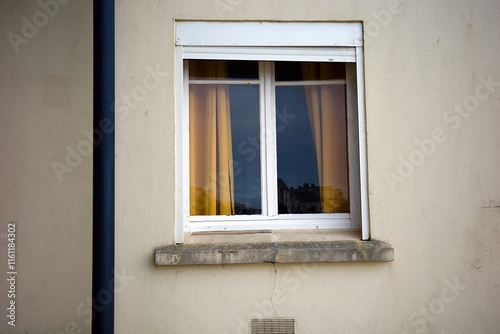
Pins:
<point x="326" y="108"/>
<point x="210" y="144"/>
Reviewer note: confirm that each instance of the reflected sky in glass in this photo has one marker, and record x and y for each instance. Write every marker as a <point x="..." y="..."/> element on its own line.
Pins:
<point x="244" y="101"/>
<point x="296" y="152"/>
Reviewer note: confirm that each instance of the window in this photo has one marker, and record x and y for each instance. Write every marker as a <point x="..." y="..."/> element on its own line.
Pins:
<point x="271" y="127"/>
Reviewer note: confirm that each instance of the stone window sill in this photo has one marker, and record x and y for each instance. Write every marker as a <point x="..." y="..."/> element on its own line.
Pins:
<point x="273" y="247"/>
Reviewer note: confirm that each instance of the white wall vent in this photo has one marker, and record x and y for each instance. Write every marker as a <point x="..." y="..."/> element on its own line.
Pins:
<point x="272" y="326"/>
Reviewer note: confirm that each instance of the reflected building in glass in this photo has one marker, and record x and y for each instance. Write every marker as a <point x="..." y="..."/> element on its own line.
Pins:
<point x="307" y="199"/>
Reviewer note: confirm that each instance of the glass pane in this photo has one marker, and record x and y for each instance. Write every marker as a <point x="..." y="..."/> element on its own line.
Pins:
<point x="224" y="150"/>
<point x="312" y="149"/>
<point x="222" y="69"/>
<point x="294" y="71"/>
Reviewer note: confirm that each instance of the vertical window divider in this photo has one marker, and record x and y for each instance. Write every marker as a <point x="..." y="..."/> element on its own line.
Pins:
<point x="271" y="138"/>
<point x="263" y="142"/>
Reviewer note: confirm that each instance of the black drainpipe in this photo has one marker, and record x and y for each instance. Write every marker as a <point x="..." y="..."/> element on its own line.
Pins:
<point x="103" y="233"/>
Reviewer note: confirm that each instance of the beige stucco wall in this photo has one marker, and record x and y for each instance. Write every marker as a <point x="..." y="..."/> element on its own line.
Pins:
<point x="442" y="216"/>
<point x="45" y="103"/>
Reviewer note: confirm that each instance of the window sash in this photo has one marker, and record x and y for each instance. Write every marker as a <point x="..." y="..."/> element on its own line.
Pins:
<point x="269" y="217"/>
<point x="248" y="223"/>
<point x="344" y="46"/>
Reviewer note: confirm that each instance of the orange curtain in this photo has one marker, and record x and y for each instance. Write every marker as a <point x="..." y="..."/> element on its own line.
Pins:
<point x="210" y="143"/>
<point x="326" y="108"/>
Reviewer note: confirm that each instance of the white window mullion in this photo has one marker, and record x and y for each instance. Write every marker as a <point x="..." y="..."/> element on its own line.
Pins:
<point x="263" y="143"/>
<point x="270" y="137"/>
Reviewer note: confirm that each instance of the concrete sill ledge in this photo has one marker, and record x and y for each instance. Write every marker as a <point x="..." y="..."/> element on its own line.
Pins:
<point x="274" y="252"/>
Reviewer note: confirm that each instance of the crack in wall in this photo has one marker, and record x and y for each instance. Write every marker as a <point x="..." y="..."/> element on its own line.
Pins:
<point x="274" y="288"/>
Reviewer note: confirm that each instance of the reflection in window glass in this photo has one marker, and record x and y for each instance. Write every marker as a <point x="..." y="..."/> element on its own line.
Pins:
<point x="246" y="148"/>
<point x="224" y="149"/>
<point x="224" y="131"/>
<point x="312" y="149"/>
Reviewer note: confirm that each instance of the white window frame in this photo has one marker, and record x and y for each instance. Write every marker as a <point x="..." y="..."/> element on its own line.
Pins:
<point x="270" y="42"/>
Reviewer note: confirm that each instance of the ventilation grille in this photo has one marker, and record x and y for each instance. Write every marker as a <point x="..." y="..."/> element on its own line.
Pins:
<point x="272" y="326"/>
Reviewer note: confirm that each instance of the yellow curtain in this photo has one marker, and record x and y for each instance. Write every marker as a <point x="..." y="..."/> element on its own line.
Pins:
<point x="326" y="108"/>
<point x="210" y="143"/>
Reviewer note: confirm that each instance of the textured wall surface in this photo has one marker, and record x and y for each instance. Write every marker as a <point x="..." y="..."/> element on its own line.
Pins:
<point x="45" y="104"/>
<point x="432" y="81"/>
